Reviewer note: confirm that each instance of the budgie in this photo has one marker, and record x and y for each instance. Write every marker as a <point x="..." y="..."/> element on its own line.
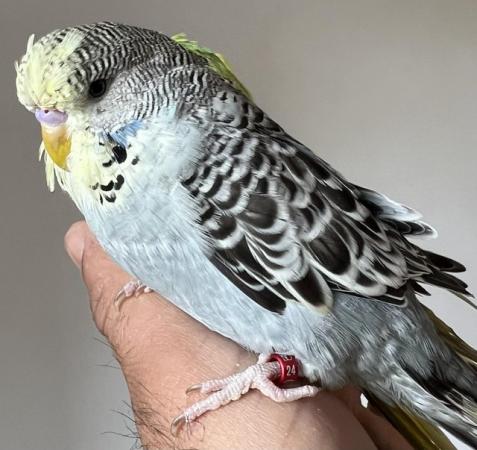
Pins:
<point x="195" y="191"/>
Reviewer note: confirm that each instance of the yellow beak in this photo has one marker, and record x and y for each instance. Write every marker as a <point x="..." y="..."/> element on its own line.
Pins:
<point x="57" y="143"/>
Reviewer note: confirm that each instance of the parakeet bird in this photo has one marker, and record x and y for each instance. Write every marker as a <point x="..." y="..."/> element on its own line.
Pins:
<point x="202" y="197"/>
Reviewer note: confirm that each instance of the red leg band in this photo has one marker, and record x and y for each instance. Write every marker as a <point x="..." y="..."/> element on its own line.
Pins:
<point x="289" y="367"/>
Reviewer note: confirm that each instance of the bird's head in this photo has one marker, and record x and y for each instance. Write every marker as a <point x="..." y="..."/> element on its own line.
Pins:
<point x="82" y="78"/>
<point x="101" y="80"/>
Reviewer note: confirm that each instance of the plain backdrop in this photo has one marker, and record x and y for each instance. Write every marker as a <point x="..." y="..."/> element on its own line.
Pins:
<point x="386" y="91"/>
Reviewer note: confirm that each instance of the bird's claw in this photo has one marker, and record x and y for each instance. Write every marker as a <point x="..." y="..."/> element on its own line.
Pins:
<point x="177" y="424"/>
<point x="132" y="288"/>
<point x="194" y="387"/>
<point x="223" y="391"/>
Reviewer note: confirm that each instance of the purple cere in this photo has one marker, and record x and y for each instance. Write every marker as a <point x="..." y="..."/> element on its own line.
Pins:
<point x="50" y="117"/>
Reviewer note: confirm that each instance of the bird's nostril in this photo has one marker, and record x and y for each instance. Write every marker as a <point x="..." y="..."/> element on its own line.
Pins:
<point x="51" y="117"/>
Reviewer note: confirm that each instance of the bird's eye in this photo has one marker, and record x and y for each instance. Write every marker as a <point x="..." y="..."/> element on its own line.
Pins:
<point x="97" y="88"/>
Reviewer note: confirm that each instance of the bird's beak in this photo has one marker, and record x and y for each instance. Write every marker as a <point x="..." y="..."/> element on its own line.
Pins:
<point x="55" y="135"/>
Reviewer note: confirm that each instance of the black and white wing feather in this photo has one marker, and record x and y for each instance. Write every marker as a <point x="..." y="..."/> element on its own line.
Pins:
<point x="285" y="226"/>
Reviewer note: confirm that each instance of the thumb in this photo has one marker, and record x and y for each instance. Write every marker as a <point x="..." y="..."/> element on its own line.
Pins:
<point x="102" y="277"/>
<point x="96" y="266"/>
<point x="75" y="239"/>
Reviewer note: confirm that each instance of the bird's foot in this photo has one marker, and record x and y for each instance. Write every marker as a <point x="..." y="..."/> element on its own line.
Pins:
<point x="132" y="288"/>
<point x="259" y="376"/>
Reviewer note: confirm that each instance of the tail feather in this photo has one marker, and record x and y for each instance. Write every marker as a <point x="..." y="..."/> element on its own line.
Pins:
<point x="451" y="283"/>
<point x="429" y="401"/>
<point x="466" y="297"/>
<point x="421" y="434"/>
<point x="455" y="388"/>
<point x="464" y="350"/>
<point x="426" y="405"/>
<point x="457" y="410"/>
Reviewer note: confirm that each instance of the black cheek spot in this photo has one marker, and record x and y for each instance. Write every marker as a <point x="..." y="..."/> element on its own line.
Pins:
<point x="107" y="187"/>
<point x="120" y="153"/>
<point x="95" y="186"/>
<point x="110" y="198"/>
<point x="119" y="182"/>
<point x="108" y="163"/>
<point x="135" y="160"/>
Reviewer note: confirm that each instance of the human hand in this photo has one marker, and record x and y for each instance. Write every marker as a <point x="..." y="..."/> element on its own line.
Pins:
<point x="162" y="351"/>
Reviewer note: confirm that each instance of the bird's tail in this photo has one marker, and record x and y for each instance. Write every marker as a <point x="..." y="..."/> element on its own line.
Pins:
<point x="420" y="433"/>
<point x="449" y="399"/>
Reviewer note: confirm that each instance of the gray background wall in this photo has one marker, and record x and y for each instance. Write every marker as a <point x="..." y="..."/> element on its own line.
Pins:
<point x="384" y="90"/>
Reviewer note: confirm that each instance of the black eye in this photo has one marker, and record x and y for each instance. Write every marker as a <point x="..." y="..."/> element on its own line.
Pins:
<point x="97" y="88"/>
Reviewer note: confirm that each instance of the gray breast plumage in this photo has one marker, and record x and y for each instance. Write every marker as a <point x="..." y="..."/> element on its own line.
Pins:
<point x="153" y="233"/>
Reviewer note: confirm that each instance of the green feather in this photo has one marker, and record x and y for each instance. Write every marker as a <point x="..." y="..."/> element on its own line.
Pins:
<point x="216" y="61"/>
<point x="464" y="350"/>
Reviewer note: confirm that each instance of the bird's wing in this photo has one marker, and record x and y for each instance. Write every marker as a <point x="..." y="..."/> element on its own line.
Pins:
<point x="285" y="226"/>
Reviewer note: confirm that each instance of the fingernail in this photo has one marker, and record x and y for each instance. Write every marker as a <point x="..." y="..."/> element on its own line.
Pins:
<point x="75" y="239"/>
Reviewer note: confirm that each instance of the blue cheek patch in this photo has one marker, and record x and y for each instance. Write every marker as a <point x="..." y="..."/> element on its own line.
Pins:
<point x="122" y="135"/>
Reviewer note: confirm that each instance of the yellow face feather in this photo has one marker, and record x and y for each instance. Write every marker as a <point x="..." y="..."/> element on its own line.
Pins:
<point x="42" y="76"/>
<point x="43" y="71"/>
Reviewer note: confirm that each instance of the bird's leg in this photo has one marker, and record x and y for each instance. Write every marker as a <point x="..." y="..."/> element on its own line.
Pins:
<point x="132" y="288"/>
<point x="259" y="376"/>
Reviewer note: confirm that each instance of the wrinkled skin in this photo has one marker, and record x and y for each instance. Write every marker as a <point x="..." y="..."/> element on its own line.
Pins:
<point x="142" y="334"/>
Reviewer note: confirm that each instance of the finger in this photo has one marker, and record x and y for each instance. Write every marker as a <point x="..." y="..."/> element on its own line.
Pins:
<point x="383" y="434"/>
<point x="74" y="242"/>
<point x="99" y="272"/>
<point x="102" y="277"/>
